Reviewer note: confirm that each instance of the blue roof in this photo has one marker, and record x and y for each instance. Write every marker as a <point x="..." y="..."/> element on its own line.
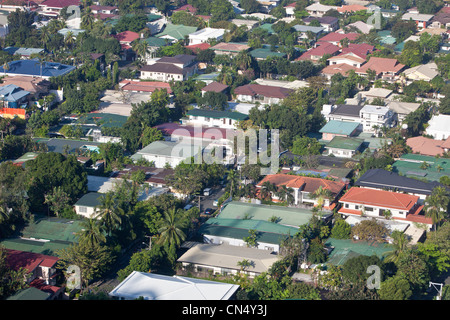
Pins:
<point x="33" y="68"/>
<point x="12" y="93"/>
<point x="302" y="28"/>
<point x="22" y="51"/>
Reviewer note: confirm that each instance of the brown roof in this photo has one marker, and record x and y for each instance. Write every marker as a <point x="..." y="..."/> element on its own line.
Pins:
<point x="266" y="91"/>
<point x="380" y="65"/>
<point x="307" y="184"/>
<point x="30" y="84"/>
<point x="341" y="68"/>
<point x="321" y="50"/>
<point x="215" y="87"/>
<point x="144" y="86"/>
<point x="226" y="46"/>
<point x="348" y="56"/>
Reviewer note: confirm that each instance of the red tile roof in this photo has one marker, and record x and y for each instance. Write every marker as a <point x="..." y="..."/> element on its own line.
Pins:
<point x="198" y="46"/>
<point x="351" y="8"/>
<point x="427" y="146"/>
<point x="210" y="133"/>
<point x="60" y="3"/>
<point x="336" y="37"/>
<point x="321" y="50"/>
<point x="360" y="49"/>
<point x="127" y="36"/>
<point x="308" y="184"/>
<point x="186" y="7"/>
<point x="21" y="259"/>
<point x="342" y="68"/>
<point x="144" y="86"/>
<point x="380" y="198"/>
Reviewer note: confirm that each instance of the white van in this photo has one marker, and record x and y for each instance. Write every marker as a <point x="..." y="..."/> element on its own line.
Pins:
<point x="207" y="192"/>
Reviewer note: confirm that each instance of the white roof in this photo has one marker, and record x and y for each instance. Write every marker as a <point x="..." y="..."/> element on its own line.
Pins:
<point x="403" y="107"/>
<point x="374" y="109"/>
<point x="243" y="107"/>
<point x="376" y="92"/>
<point x="429" y="70"/>
<point x="152" y="286"/>
<point x="439" y="123"/>
<point x="417" y="16"/>
<point x="207" y="33"/>
<point x="228" y="256"/>
<point x="362" y="26"/>
<point x="316" y="6"/>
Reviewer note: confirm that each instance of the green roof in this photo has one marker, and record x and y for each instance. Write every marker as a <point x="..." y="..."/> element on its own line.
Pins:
<point x="294" y="217"/>
<point x="91" y="199"/>
<point x="155" y="42"/>
<point x="264" y="53"/>
<point x="103" y="119"/>
<point x="30" y="293"/>
<point x="344" y="249"/>
<point x="267" y="27"/>
<point x="177" y="31"/>
<point x="410" y="165"/>
<point x="345" y="143"/>
<point x="339" y="127"/>
<point x="217" y="114"/>
<point x="49" y="235"/>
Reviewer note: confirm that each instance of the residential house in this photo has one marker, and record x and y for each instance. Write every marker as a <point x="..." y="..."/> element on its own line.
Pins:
<point x="175" y="32"/>
<point x="386" y="38"/>
<point x="52" y="8"/>
<point x="360" y="26"/>
<point x="428" y="146"/>
<point x="152" y="286"/>
<point x="154" y="44"/>
<point x="229" y="48"/>
<point x="384" y="68"/>
<point x="347" y="58"/>
<point x="265" y="52"/>
<point x="332" y="69"/>
<point x="373" y="117"/>
<point x="336" y="37"/>
<point x="358" y="49"/>
<point x="318" y="10"/>
<point x="253" y="93"/>
<point x="303" y="188"/>
<point x="215" y="87"/>
<point x="317" y="53"/>
<point x="23" y="52"/>
<point x="286" y="216"/>
<point x="177" y="68"/>
<point x="208" y="138"/>
<point x="290" y="9"/>
<point x="422" y="20"/>
<point x="425" y="72"/>
<point x="304" y="32"/>
<point x="233" y="231"/>
<point x="154" y="177"/>
<point x="351" y="8"/>
<point x="213" y="118"/>
<point x="125" y="39"/>
<point x="423" y="167"/>
<point x="168" y="153"/>
<point x="329" y="23"/>
<point x="343" y="112"/>
<point x="12" y="96"/>
<point x="438" y="127"/>
<point x="401" y="109"/>
<point x="144" y="86"/>
<point x="224" y="259"/>
<point x="206" y="35"/>
<point x="187" y="8"/>
<point x="105" y="12"/>
<point x="381" y="179"/>
<point x="334" y="128"/>
<point x="375" y="93"/>
<point x="34" y="68"/>
<point x="250" y="24"/>
<point x="441" y="20"/>
<point x="344" y="147"/>
<point x="376" y="203"/>
<point x="87" y="205"/>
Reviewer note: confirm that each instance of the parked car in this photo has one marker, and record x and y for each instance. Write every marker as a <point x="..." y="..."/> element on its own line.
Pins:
<point x="208" y="212"/>
<point x="207" y="192"/>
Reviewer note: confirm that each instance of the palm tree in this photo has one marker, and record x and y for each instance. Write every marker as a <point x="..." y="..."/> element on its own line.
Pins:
<point x="87" y="20"/>
<point x="92" y="233"/>
<point x="4" y="212"/>
<point x="232" y="179"/>
<point x="401" y="242"/>
<point x="244" y="264"/>
<point x="142" y="49"/>
<point x="45" y="36"/>
<point x="436" y="205"/>
<point x="266" y="190"/>
<point x="171" y="230"/>
<point x="321" y="195"/>
<point x="69" y="40"/>
<point x="109" y="212"/>
<point x="285" y="193"/>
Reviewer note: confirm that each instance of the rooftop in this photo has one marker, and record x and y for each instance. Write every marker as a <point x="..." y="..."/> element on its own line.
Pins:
<point x="347" y="143"/>
<point x="339" y="127"/>
<point x="217" y="114"/>
<point x="293" y="217"/>
<point x="34" y="68"/>
<point x="266" y="91"/>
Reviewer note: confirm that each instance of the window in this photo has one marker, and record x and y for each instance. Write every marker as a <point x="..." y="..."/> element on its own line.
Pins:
<point x="346" y="205"/>
<point x="368" y="209"/>
<point x="82" y="209"/>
